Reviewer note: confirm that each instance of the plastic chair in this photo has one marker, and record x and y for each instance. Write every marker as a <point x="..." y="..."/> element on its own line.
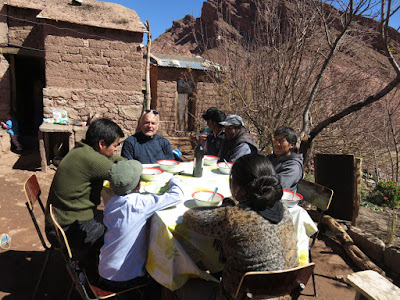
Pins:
<point x="320" y="197"/>
<point x="71" y="265"/>
<point x="271" y="284"/>
<point x="32" y="192"/>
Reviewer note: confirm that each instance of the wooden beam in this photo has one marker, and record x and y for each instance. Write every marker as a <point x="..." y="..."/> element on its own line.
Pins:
<point x="9" y="50"/>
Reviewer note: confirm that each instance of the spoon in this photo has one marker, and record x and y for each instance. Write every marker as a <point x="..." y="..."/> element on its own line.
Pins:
<point x="213" y="194"/>
<point x="227" y="165"/>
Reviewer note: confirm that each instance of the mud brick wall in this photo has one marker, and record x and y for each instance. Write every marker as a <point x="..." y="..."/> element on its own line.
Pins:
<point x="93" y="58"/>
<point x="4" y="88"/>
<point x="24" y="30"/>
<point x="165" y="93"/>
<point x="93" y="71"/>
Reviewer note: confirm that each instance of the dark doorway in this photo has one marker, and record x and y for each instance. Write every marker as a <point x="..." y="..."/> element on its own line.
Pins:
<point x="185" y="106"/>
<point x="29" y="81"/>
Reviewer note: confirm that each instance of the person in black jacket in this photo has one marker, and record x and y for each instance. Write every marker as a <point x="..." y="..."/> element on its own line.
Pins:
<point x="215" y="138"/>
<point x="238" y="141"/>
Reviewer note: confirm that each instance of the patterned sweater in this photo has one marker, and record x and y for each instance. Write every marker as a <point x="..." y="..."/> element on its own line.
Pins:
<point x="76" y="187"/>
<point x="250" y="242"/>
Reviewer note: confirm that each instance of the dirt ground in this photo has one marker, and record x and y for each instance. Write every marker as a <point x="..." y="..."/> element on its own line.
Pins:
<point x="21" y="263"/>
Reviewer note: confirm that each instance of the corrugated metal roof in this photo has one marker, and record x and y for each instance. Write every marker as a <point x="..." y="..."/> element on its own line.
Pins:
<point x="182" y="62"/>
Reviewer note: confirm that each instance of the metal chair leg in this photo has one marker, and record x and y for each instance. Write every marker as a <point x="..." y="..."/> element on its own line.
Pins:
<point x="46" y="261"/>
<point x="313" y="276"/>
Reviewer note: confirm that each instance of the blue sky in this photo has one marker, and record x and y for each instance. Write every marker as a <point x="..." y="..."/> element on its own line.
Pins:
<point x="161" y="13"/>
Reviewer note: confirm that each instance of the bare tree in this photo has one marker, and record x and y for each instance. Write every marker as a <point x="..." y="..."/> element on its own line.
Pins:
<point x="387" y="11"/>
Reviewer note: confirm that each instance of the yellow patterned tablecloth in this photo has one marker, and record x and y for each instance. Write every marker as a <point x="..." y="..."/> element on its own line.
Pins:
<point x="177" y="253"/>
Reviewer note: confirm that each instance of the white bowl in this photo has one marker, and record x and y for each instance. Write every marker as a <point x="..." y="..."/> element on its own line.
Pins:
<point x="168" y="165"/>
<point x="202" y="198"/>
<point x="152" y="174"/>
<point x="210" y="160"/>
<point x="223" y="168"/>
<point x="290" y="198"/>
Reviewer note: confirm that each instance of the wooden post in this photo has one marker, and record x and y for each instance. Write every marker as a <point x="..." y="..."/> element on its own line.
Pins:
<point x="356" y="189"/>
<point x="148" y="92"/>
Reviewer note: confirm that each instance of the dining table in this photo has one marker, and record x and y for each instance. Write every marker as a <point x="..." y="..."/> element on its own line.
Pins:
<point x="177" y="253"/>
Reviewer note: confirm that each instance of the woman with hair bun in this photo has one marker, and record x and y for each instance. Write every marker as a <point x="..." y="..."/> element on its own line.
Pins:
<point x="257" y="234"/>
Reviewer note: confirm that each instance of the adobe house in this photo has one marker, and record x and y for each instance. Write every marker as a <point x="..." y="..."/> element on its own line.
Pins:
<point x="85" y="59"/>
<point x="88" y="60"/>
<point x="181" y="90"/>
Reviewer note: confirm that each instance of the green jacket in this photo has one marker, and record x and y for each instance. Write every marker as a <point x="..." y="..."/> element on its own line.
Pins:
<point x="76" y="188"/>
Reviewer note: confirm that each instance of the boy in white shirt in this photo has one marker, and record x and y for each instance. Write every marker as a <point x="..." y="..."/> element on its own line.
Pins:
<point x="123" y="256"/>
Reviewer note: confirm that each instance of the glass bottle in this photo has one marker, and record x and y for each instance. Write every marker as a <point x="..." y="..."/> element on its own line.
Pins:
<point x="198" y="159"/>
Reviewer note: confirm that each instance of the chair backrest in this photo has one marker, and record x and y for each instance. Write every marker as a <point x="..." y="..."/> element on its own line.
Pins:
<point x="315" y="194"/>
<point x="32" y="192"/>
<point x="61" y="237"/>
<point x="270" y="284"/>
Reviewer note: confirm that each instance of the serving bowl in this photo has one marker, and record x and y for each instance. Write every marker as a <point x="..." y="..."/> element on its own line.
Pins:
<point x="223" y="168"/>
<point x="202" y="198"/>
<point x="152" y="174"/>
<point x="210" y="160"/>
<point x="291" y="198"/>
<point x="168" y="165"/>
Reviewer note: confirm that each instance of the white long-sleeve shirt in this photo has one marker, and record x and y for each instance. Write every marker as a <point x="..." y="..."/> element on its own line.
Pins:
<point x="123" y="254"/>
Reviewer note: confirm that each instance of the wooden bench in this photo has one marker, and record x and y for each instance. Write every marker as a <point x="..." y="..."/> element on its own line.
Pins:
<point x="373" y="286"/>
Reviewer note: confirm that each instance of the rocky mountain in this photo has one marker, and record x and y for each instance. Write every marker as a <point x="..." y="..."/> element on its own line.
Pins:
<point x="191" y="36"/>
<point x="359" y="59"/>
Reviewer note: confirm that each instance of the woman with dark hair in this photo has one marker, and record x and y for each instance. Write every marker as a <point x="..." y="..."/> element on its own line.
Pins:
<point x="256" y="235"/>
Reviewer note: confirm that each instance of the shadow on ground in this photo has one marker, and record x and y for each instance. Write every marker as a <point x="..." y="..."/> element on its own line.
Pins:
<point x="20" y="270"/>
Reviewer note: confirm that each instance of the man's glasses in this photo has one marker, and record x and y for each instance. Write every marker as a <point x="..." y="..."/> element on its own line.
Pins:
<point x="147" y="111"/>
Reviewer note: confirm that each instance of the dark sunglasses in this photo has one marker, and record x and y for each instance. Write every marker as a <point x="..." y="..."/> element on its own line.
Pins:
<point x="147" y="111"/>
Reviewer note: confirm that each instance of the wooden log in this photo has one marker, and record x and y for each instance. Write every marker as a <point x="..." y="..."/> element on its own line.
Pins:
<point x="355" y="254"/>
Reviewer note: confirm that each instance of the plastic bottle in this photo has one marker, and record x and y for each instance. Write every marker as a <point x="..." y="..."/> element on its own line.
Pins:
<point x="198" y="159"/>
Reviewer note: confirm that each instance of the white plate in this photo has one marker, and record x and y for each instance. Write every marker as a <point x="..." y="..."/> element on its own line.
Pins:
<point x="155" y="189"/>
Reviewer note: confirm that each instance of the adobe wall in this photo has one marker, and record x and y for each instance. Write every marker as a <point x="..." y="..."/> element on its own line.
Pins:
<point x="93" y="71"/>
<point x="24" y="30"/>
<point x="166" y="99"/>
<point x="4" y="88"/>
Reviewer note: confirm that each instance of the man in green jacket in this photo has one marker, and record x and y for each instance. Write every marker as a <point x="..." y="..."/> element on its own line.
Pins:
<point x="76" y="189"/>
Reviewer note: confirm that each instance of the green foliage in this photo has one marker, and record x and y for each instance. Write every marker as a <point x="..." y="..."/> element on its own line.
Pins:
<point x="371" y="205"/>
<point x="309" y="177"/>
<point x="386" y="193"/>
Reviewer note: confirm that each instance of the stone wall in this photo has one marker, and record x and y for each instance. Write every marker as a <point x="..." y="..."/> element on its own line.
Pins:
<point x="94" y="71"/>
<point x="122" y="107"/>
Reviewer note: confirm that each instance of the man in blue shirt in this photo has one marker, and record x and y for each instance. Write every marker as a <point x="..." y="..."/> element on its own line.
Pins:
<point x="146" y="146"/>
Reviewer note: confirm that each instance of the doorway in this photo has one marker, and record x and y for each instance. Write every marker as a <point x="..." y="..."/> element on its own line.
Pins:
<point x="185" y="106"/>
<point x="29" y="83"/>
